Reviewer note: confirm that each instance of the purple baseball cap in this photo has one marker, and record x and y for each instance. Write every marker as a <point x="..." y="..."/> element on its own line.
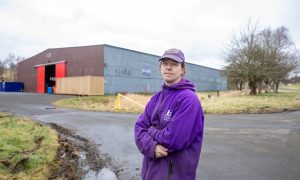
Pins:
<point x="174" y="54"/>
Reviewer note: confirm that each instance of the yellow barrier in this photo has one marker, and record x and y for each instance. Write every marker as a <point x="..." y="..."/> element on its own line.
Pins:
<point x="118" y="102"/>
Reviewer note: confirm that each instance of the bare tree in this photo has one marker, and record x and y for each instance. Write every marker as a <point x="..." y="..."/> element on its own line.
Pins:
<point x="296" y="72"/>
<point x="2" y="69"/>
<point x="281" y="56"/>
<point x="260" y="57"/>
<point x="243" y="57"/>
<point x="11" y="62"/>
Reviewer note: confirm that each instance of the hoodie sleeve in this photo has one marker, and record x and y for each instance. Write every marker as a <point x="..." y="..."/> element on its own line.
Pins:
<point x="143" y="140"/>
<point x="186" y="124"/>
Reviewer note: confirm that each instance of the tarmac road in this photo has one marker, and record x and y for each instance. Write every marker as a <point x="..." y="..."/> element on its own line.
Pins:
<point x="236" y="147"/>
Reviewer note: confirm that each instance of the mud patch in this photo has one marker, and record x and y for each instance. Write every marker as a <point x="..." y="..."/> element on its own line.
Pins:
<point x="78" y="157"/>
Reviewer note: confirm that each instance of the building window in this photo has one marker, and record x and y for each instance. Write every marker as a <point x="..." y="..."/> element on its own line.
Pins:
<point x="146" y="71"/>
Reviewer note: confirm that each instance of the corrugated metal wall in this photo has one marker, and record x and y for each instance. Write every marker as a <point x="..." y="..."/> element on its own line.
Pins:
<point x="132" y="71"/>
<point x="206" y="79"/>
<point x="80" y="61"/>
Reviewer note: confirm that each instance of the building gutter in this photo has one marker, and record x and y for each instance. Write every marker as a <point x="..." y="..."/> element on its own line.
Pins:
<point x="52" y="63"/>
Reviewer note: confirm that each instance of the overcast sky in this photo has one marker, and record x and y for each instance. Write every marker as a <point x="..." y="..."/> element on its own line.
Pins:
<point x="201" y="28"/>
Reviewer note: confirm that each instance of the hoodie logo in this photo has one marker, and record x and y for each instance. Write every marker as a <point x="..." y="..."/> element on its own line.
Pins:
<point x="168" y="115"/>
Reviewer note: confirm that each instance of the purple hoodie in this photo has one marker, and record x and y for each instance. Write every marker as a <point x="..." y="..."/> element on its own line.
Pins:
<point x="173" y="118"/>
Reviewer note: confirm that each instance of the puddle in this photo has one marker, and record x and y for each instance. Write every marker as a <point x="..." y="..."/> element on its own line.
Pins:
<point x="104" y="174"/>
<point x="50" y="108"/>
<point x="89" y="174"/>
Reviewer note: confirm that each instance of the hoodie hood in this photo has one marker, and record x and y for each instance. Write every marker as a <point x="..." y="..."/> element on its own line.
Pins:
<point x="183" y="84"/>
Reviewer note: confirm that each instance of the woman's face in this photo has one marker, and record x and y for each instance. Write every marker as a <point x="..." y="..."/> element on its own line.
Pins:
<point x="171" y="71"/>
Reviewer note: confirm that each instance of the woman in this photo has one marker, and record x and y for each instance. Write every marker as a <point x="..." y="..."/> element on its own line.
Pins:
<point x="169" y="133"/>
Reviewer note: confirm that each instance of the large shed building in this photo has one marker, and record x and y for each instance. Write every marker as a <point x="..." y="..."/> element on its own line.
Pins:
<point x="111" y="69"/>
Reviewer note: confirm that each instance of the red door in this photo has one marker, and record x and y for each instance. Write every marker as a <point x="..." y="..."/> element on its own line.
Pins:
<point x="40" y="79"/>
<point x="60" y="70"/>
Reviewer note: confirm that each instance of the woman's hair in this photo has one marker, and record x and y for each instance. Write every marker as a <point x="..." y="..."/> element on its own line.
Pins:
<point x="183" y="67"/>
<point x="182" y="64"/>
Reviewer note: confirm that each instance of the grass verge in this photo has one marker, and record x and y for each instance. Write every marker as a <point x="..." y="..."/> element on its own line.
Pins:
<point x="261" y="103"/>
<point x="105" y="103"/>
<point x="288" y="99"/>
<point x="228" y="102"/>
<point x="27" y="149"/>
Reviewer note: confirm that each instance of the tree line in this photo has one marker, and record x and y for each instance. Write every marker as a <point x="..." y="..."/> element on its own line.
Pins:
<point x="9" y="67"/>
<point x="260" y="57"/>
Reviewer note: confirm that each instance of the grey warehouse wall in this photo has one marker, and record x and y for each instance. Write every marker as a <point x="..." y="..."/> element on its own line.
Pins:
<point x="132" y="71"/>
<point x="206" y="79"/>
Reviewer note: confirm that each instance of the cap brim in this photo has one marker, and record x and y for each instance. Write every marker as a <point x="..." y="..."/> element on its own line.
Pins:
<point x="169" y="56"/>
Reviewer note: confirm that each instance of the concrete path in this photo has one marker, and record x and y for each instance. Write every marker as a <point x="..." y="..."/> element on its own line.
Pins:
<point x="255" y="146"/>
